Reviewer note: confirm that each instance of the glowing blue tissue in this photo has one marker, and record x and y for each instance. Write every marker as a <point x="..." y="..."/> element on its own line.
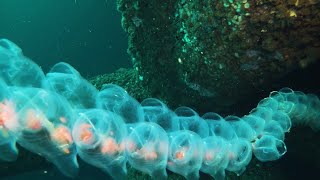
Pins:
<point x="185" y="153"/>
<point x="100" y="139"/>
<point x="269" y="148"/>
<point x="256" y="123"/>
<point x="215" y="156"/>
<point x="241" y="128"/>
<point x="239" y="154"/>
<point x="43" y="128"/>
<point x="190" y="120"/>
<point x="17" y="70"/>
<point x="219" y="126"/>
<point x="8" y="150"/>
<point x="114" y="98"/>
<point x="157" y="112"/>
<point x="147" y="149"/>
<point x="66" y="81"/>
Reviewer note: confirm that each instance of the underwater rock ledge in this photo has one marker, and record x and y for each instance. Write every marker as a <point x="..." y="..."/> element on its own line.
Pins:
<point x="219" y="52"/>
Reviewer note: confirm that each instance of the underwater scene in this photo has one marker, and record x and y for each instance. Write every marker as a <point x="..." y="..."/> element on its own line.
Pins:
<point x="159" y="89"/>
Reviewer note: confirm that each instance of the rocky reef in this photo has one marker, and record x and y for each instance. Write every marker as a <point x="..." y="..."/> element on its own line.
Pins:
<point x="218" y="53"/>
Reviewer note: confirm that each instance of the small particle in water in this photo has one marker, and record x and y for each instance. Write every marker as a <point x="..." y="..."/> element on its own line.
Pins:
<point x="221" y="66"/>
<point x="292" y="13"/>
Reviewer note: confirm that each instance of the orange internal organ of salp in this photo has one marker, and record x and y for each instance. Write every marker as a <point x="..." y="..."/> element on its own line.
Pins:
<point x="148" y="152"/>
<point x="86" y="134"/>
<point x="7" y="114"/>
<point x="33" y="119"/>
<point x="62" y="136"/>
<point x="181" y="153"/>
<point x="3" y="114"/>
<point x="209" y="156"/>
<point x="110" y="146"/>
<point x="151" y="155"/>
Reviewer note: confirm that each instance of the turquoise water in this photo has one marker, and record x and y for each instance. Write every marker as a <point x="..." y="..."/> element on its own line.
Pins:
<point x="84" y="33"/>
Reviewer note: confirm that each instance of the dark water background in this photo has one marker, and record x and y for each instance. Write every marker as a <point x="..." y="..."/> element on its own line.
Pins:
<point x="85" y="33"/>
